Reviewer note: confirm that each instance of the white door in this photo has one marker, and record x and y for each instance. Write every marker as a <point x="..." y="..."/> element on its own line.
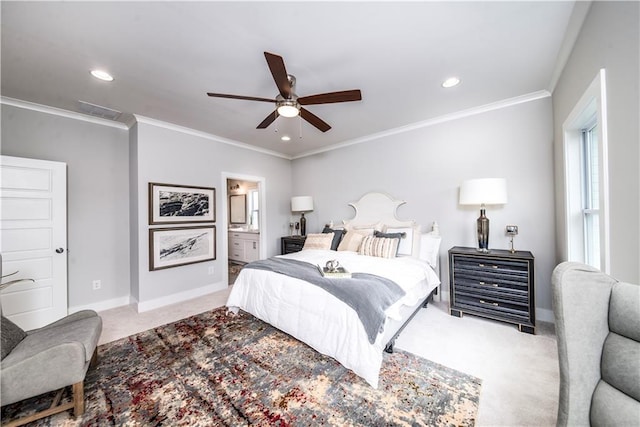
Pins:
<point x="33" y="223"/>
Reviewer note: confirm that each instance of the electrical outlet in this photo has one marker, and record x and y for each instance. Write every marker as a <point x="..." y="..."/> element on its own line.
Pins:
<point x="212" y="270"/>
<point x="97" y="284"/>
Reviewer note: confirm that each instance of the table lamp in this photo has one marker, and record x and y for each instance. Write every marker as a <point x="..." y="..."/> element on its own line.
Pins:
<point x="302" y="204"/>
<point x="485" y="191"/>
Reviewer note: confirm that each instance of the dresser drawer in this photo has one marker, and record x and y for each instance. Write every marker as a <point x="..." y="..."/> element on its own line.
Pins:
<point x="493" y="268"/>
<point x="493" y="291"/>
<point x="467" y="279"/>
<point x="495" y="309"/>
<point x="243" y="236"/>
<point x="292" y="244"/>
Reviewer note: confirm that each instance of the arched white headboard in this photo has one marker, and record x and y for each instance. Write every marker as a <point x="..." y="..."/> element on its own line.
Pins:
<point x="375" y="208"/>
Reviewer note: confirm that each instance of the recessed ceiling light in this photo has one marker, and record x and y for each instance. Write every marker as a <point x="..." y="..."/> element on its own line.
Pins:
<point x="102" y="75"/>
<point x="286" y="138"/>
<point x="451" y="82"/>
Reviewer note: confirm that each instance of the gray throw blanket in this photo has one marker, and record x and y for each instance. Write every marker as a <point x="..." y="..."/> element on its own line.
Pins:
<point x="369" y="295"/>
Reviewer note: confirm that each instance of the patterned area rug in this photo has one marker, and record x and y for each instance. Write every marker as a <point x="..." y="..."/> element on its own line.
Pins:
<point x="217" y="369"/>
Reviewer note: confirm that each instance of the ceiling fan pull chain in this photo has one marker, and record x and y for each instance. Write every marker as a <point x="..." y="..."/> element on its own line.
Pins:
<point x="300" y="123"/>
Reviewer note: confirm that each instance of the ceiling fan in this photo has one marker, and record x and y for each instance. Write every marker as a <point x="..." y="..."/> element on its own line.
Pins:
<point x="288" y="104"/>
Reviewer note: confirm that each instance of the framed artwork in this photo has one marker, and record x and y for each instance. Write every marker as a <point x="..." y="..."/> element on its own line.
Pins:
<point x="171" y="247"/>
<point x="238" y="209"/>
<point x="174" y="204"/>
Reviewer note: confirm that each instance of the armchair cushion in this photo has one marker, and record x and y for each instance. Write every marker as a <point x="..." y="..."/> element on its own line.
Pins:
<point x="598" y="329"/>
<point x="11" y="336"/>
<point x="51" y="357"/>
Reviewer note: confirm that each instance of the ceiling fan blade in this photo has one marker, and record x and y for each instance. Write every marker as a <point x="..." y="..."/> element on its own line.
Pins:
<point x="331" y="97"/>
<point x="268" y="120"/>
<point x="247" y="98"/>
<point x="279" y="73"/>
<point x="314" y="120"/>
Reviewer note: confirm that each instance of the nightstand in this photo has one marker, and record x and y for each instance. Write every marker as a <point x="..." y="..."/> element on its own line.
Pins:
<point x="289" y="244"/>
<point x="498" y="285"/>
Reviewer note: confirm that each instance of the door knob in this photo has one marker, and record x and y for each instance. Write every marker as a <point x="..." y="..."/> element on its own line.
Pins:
<point x="59" y="250"/>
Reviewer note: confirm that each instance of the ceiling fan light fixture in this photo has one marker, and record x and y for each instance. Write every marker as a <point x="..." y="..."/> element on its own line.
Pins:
<point x="288" y="109"/>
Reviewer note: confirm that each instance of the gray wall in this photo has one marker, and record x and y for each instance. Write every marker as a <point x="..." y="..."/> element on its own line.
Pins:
<point x="108" y="212"/>
<point x="426" y="166"/>
<point x="168" y="155"/>
<point x="608" y="39"/>
<point x="97" y="161"/>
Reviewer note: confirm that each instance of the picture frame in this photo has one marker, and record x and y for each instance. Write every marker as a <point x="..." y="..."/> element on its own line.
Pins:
<point x="177" y="246"/>
<point x="175" y="204"/>
<point x="238" y="209"/>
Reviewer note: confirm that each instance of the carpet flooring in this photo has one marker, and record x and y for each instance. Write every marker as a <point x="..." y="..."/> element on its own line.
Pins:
<point x="217" y="369"/>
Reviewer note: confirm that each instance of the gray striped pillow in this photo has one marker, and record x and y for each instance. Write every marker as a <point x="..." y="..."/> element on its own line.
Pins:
<point x="383" y="247"/>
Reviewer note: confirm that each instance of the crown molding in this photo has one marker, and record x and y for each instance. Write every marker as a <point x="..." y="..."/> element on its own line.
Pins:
<point x="131" y="121"/>
<point x="205" y="135"/>
<point x="60" y="112"/>
<point x="505" y="103"/>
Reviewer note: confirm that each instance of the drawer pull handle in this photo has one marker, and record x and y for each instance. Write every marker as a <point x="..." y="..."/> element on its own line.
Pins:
<point x="495" y="285"/>
<point x="492" y="266"/>
<point x="495" y="304"/>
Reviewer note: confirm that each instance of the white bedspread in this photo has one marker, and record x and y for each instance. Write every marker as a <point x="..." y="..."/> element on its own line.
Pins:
<point x="319" y="319"/>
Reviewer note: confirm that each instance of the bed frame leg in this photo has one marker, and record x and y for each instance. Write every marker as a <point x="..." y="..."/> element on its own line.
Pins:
<point x="389" y="347"/>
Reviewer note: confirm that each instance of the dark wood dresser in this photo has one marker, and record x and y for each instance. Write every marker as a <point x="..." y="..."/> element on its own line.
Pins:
<point x="498" y="285"/>
<point x="289" y="244"/>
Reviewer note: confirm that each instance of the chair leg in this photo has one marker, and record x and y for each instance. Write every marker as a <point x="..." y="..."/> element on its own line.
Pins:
<point x="78" y="399"/>
<point x="77" y="405"/>
<point x="94" y="359"/>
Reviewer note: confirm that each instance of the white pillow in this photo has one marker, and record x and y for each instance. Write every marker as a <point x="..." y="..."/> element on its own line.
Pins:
<point x="408" y="244"/>
<point x="318" y="241"/>
<point x="430" y="248"/>
<point x="351" y="241"/>
<point x="366" y="229"/>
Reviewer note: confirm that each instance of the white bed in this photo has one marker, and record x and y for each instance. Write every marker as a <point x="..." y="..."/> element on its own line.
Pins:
<point x="321" y="320"/>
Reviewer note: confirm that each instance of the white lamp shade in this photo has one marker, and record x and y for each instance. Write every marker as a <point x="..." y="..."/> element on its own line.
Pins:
<point x="485" y="191"/>
<point x="302" y="204"/>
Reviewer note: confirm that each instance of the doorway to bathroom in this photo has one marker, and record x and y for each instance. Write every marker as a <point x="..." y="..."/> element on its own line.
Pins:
<point x="243" y="198"/>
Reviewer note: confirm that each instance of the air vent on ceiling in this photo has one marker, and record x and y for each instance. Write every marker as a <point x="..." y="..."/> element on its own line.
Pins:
<point x="98" y="111"/>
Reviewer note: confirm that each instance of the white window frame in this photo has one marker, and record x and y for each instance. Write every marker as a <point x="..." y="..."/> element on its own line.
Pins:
<point x="254" y="196"/>
<point x="591" y="104"/>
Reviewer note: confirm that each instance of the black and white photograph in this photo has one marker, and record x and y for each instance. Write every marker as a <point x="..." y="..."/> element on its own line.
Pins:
<point x="173" y="204"/>
<point x="171" y="247"/>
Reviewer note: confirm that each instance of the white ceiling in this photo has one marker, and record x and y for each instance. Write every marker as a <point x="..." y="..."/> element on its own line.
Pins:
<point x="165" y="56"/>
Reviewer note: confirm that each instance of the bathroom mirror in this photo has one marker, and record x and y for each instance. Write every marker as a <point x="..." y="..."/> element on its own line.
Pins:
<point x="238" y="209"/>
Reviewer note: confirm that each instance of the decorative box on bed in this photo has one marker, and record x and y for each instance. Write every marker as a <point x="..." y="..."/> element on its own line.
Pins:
<point x="310" y="312"/>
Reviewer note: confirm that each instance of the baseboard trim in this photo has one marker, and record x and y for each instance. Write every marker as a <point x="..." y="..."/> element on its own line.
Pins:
<point x="545" y="315"/>
<point x="142" y="306"/>
<point x="102" y="305"/>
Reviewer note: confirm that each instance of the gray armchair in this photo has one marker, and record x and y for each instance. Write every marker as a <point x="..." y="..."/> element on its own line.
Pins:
<point x="598" y="329"/>
<point x="47" y="359"/>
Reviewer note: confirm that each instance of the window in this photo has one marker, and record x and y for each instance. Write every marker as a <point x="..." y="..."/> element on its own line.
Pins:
<point x="586" y="180"/>
<point x="590" y="194"/>
<point x="254" y="209"/>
